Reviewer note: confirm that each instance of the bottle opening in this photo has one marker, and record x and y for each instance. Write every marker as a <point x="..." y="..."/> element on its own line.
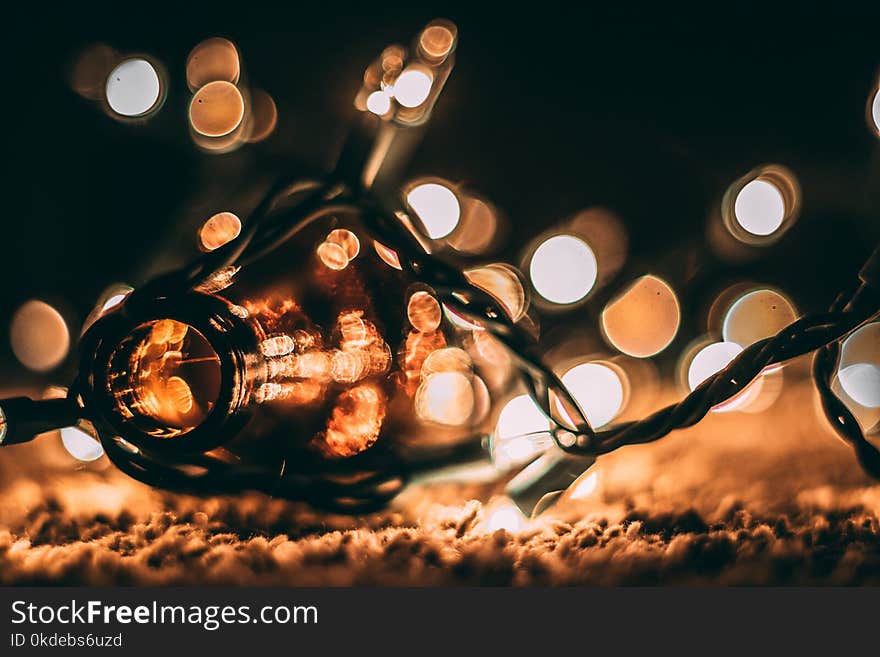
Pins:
<point x="165" y="378"/>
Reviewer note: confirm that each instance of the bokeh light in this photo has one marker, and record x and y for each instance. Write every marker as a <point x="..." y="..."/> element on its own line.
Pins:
<point x="379" y="102"/>
<point x="859" y="367"/>
<point x="80" y="445"/>
<point x="216" y="109"/>
<point x="39" y="336"/>
<point x="220" y="229"/>
<point x="505" y="515"/>
<point x="413" y="86"/>
<point x="423" y="311"/>
<point x="522" y="432"/>
<point x="212" y="60"/>
<point x="644" y="319"/>
<point x="445" y="398"/>
<point x="756" y="315"/>
<point x="91" y="69"/>
<point x="709" y="360"/>
<point x="563" y="269"/>
<point x="388" y="256"/>
<point x="478" y="228"/>
<point x="759" y="207"/>
<point x="332" y="256"/>
<point x="437" y="40"/>
<point x="133" y="88"/>
<point x="436" y="206"/>
<point x="599" y="390"/>
<point x="503" y="283"/>
<point x="347" y="240"/>
<point x="263" y="116"/>
<point x="875" y="111"/>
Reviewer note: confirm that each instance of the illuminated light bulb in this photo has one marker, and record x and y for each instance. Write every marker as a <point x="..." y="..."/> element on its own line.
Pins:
<point x="760" y="207"/>
<point x="522" y="432"/>
<point x="436" y="206"/>
<point x="709" y="360"/>
<point x="277" y="345"/>
<point x="505" y="515"/>
<point x="563" y="269"/>
<point x="859" y="367"/>
<point x="332" y="256"/>
<point x="423" y="312"/>
<point x="757" y="315"/>
<point x="218" y="230"/>
<point x="388" y="256"/>
<point x="413" y="86"/>
<point x="504" y="284"/>
<point x="379" y="102"/>
<point x="133" y="88"/>
<point x="212" y="60"/>
<point x="347" y="240"/>
<point x="644" y="319"/>
<point x="598" y="390"/>
<point x="80" y="445"/>
<point x="449" y="359"/>
<point x="263" y="116"/>
<point x="445" y="398"/>
<point x="216" y="109"/>
<point x="39" y="336"/>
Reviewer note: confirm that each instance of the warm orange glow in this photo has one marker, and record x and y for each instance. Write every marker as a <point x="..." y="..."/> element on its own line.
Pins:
<point x="416" y="350"/>
<point x="450" y="359"/>
<point x="263" y="116"/>
<point x="436" y="41"/>
<point x="39" y="336"/>
<point x="388" y="256"/>
<point x="172" y="375"/>
<point x="347" y="240"/>
<point x="212" y="60"/>
<point x="445" y="398"/>
<point x="503" y="283"/>
<point x="423" y="312"/>
<point x="355" y="423"/>
<point x="91" y="70"/>
<point x="277" y="345"/>
<point x="332" y="256"/>
<point x="644" y="319"/>
<point x="216" y="109"/>
<point x="220" y="229"/>
<point x="478" y="228"/>
<point x="756" y="315"/>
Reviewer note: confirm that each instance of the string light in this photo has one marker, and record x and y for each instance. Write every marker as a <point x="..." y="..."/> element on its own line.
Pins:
<point x="358" y="355"/>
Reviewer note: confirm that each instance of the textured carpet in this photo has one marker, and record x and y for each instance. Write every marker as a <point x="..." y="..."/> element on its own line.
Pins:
<point x="771" y="498"/>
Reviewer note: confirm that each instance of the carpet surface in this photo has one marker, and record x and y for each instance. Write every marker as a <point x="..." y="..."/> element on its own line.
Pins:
<point x="740" y="499"/>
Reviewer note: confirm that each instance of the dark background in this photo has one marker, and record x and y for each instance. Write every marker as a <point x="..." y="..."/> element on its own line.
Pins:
<point x="549" y="110"/>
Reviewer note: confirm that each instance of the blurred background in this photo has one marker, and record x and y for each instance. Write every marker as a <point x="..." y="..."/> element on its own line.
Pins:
<point x="546" y="114"/>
